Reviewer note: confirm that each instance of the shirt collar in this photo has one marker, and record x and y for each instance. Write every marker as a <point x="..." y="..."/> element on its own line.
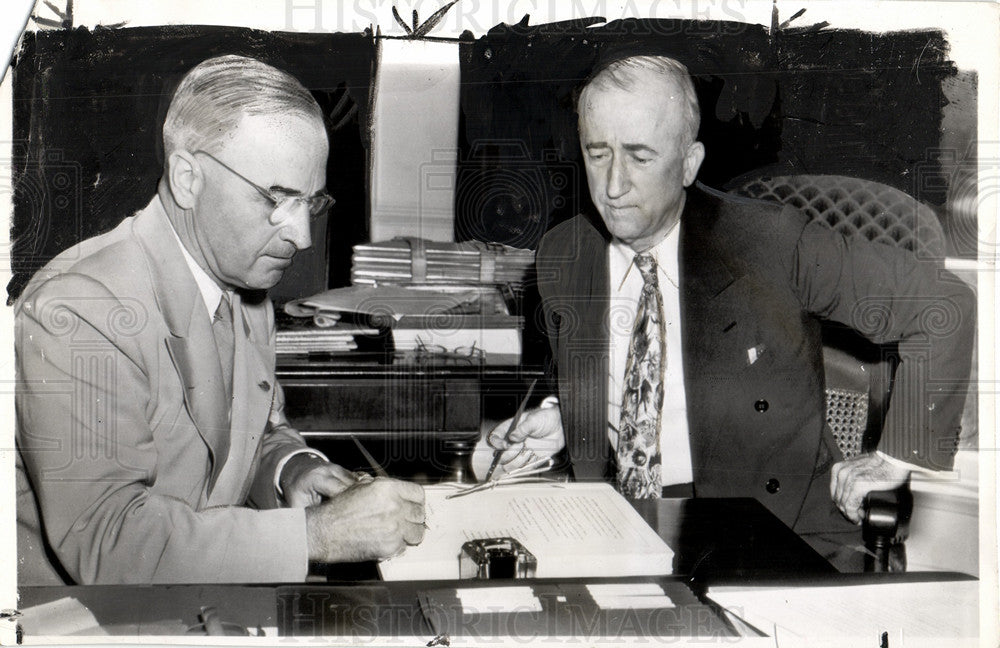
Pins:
<point x="665" y="253"/>
<point x="210" y="291"/>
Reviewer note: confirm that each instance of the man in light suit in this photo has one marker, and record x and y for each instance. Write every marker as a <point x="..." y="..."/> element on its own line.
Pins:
<point x="732" y="403"/>
<point x="152" y="442"/>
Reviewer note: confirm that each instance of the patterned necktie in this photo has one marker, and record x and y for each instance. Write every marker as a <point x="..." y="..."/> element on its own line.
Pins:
<point x="222" y="327"/>
<point x="638" y="452"/>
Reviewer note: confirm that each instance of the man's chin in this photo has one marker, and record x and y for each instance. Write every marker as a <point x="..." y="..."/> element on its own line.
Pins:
<point x="265" y="281"/>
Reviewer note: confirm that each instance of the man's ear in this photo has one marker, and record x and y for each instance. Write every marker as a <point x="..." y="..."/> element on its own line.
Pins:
<point x="693" y="158"/>
<point x="185" y="178"/>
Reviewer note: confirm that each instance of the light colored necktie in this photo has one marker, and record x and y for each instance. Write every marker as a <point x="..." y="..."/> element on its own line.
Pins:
<point x="638" y="452"/>
<point x="222" y="327"/>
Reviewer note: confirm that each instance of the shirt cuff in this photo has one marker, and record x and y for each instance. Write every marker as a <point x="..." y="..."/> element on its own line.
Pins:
<point x="284" y="460"/>
<point x="549" y="401"/>
<point x="899" y="463"/>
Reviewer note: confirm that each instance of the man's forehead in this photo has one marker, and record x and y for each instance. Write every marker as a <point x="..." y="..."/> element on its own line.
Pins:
<point x="628" y="114"/>
<point x="282" y="151"/>
<point x="288" y="124"/>
<point x="283" y="139"/>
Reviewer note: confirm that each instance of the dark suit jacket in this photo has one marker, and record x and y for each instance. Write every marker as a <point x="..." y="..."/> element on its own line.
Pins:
<point x="123" y="429"/>
<point x="756" y="275"/>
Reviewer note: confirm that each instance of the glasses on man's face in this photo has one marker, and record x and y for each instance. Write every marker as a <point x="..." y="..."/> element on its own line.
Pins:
<point x="280" y="201"/>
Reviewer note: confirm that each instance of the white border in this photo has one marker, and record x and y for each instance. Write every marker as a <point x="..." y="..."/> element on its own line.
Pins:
<point x="971" y="26"/>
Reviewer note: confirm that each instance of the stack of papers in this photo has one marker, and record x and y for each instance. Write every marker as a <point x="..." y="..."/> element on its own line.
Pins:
<point x="404" y="261"/>
<point x="338" y="337"/>
<point x="573" y="530"/>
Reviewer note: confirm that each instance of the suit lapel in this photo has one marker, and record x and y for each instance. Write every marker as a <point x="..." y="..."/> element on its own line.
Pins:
<point x="704" y="277"/>
<point x="253" y="378"/>
<point x="191" y="343"/>
<point x="707" y="319"/>
<point x="703" y="271"/>
<point x="583" y="361"/>
<point x="252" y="394"/>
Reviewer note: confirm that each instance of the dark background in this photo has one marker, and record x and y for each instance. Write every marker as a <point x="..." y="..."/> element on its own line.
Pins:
<point x="806" y="101"/>
<point x="885" y="107"/>
<point x="88" y="111"/>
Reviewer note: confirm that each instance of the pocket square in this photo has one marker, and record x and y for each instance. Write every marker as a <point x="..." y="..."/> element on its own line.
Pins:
<point x="754" y="353"/>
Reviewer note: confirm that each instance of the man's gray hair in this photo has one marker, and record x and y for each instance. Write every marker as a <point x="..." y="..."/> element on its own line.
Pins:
<point x="215" y="94"/>
<point x="621" y="73"/>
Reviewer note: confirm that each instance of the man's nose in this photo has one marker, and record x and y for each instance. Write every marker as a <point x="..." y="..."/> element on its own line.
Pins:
<point x="618" y="180"/>
<point x="297" y="226"/>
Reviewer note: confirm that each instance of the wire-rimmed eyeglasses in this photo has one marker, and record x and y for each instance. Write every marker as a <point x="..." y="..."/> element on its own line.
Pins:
<point x="317" y="204"/>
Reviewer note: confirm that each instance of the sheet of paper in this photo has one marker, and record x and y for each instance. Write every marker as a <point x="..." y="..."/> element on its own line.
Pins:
<point x="573" y="530"/>
<point x="483" y="600"/>
<point x="930" y="609"/>
<point x="629" y="596"/>
<point x="65" y="616"/>
<point x="391" y="301"/>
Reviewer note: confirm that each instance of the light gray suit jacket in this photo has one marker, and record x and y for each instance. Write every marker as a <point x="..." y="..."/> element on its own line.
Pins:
<point x="122" y="430"/>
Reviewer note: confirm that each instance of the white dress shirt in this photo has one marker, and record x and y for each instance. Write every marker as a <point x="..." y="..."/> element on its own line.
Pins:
<point x="626" y="285"/>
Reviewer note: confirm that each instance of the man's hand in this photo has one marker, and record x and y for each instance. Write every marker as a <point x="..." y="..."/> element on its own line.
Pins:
<point x="539" y="435"/>
<point x="370" y="520"/>
<point x="851" y="480"/>
<point x="308" y="479"/>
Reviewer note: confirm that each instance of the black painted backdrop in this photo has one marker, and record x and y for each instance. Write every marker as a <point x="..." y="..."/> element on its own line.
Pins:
<point x="803" y="101"/>
<point x="88" y="104"/>
<point x="88" y="109"/>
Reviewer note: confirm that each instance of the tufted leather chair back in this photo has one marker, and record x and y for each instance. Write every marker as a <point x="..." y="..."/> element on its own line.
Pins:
<point x="856" y="207"/>
<point x="858" y="376"/>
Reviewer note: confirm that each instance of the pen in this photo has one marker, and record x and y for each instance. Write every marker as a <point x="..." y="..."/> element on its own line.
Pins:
<point x="379" y="470"/>
<point x="513" y="424"/>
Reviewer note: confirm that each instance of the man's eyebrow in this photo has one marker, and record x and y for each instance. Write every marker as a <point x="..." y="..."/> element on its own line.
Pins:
<point x="284" y="190"/>
<point x="639" y="148"/>
<point x="631" y="148"/>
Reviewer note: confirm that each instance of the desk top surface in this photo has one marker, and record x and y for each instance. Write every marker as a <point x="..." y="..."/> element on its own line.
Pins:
<point x="714" y="540"/>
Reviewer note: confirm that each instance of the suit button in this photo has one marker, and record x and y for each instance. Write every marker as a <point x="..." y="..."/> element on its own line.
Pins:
<point x="772" y="486"/>
<point x="761" y="406"/>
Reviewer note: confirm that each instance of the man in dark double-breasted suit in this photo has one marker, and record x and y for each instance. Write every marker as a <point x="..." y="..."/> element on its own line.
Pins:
<point x="735" y="405"/>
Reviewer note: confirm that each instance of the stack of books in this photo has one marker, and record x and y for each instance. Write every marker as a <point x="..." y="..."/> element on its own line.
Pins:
<point x="416" y="261"/>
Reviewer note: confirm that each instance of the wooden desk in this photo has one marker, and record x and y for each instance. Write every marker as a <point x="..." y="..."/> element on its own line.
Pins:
<point x="729" y="539"/>
<point x="713" y="539"/>
<point x="396" y="401"/>
<point x="378" y="394"/>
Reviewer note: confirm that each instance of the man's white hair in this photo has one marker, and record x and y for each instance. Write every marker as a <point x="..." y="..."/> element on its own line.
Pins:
<point x="621" y="73"/>
<point x="215" y="94"/>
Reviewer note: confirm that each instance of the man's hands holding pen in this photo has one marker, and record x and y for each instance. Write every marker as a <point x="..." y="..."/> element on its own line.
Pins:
<point x="308" y="479"/>
<point x="372" y="519"/>
<point x="538" y="435"/>
<point x="352" y="516"/>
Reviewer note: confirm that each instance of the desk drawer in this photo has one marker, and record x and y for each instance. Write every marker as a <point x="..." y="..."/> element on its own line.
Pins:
<point x="383" y="405"/>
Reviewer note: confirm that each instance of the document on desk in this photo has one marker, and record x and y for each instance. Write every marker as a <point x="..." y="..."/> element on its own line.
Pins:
<point x="911" y="609"/>
<point x="573" y="530"/>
